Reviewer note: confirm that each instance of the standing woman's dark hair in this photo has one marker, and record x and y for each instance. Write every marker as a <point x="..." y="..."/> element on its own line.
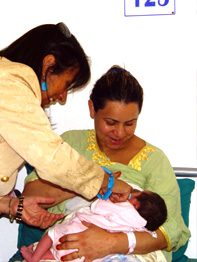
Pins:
<point x="33" y="46"/>
<point x="116" y="85"/>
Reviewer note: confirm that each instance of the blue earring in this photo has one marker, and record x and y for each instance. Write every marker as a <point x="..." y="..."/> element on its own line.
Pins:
<point x="44" y="86"/>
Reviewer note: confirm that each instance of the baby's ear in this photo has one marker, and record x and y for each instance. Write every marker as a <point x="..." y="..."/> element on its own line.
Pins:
<point x="135" y="203"/>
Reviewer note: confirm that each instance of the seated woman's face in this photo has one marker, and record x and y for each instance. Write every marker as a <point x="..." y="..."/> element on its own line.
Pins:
<point x="115" y="124"/>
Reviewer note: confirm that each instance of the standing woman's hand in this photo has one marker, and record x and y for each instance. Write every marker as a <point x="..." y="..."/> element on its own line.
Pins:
<point x="120" y="188"/>
<point x="33" y="214"/>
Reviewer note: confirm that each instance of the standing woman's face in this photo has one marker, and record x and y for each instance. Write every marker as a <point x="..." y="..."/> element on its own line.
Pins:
<point x="57" y="84"/>
<point x="115" y="124"/>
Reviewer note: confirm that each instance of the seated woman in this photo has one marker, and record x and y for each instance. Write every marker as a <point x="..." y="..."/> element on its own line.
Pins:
<point x="144" y="211"/>
<point x="115" y="104"/>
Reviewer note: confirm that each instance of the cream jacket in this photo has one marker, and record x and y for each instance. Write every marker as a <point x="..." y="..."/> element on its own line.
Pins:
<point x="26" y="135"/>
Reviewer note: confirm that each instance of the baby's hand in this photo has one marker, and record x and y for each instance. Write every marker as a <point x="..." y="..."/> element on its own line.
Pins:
<point x="115" y="198"/>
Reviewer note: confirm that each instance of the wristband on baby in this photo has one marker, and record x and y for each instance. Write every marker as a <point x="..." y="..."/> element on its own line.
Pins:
<point x="132" y="241"/>
<point x="110" y="185"/>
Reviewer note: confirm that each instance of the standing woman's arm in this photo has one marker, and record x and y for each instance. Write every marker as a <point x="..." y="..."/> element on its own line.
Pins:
<point x="44" y="188"/>
<point x="26" y="129"/>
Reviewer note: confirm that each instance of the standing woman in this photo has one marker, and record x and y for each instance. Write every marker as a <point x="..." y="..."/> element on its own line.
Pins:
<point x="39" y="67"/>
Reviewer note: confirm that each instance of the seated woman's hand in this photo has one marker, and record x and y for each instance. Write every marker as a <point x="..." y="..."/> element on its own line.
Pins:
<point x="93" y="243"/>
<point x="34" y="215"/>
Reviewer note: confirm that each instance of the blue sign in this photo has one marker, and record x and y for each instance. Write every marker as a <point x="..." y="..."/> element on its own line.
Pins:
<point x="149" y="7"/>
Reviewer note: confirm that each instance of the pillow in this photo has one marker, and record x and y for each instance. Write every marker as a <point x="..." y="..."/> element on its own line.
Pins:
<point x="186" y="186"/>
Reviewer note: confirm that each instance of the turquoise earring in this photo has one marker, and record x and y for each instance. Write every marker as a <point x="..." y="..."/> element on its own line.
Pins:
<point x="44" y="86"/>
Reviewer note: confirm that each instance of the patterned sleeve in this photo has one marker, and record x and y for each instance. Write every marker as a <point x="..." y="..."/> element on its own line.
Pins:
<point x="22" y="117"/>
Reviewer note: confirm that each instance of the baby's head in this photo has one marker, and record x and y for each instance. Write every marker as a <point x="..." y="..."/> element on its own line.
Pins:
<point x="151" y="207"/>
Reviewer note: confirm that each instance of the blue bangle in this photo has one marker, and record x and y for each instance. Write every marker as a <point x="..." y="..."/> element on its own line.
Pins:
<point x="110" y="185"/>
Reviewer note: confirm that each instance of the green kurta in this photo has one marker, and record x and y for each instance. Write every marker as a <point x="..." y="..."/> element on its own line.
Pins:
<point x="150" y="169"/>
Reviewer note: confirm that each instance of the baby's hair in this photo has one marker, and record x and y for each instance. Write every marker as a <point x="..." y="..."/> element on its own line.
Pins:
<point x="152" y="209"/>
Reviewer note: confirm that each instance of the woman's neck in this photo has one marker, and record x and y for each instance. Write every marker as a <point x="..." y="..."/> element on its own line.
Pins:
<point x="126" y="153"/>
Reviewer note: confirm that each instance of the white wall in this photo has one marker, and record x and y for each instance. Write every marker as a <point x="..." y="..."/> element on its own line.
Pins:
<point x="160" y="51"/>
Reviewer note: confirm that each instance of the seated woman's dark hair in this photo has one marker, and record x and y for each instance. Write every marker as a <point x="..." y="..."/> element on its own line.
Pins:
<point x="33" y="46"/>
<point x="116" y="85"/>
<point x="152" y="209"/>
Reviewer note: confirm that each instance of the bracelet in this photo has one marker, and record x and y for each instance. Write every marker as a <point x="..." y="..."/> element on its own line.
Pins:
<point x="11" y="217"/>
<point x="19" y="209"/>
<point x="110" y="185"/>
<point x="132" y="241"/>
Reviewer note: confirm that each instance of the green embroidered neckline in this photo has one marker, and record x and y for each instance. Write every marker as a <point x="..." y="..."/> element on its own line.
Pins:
<point x="101" y="159"/>
<point x="98" y="157"/>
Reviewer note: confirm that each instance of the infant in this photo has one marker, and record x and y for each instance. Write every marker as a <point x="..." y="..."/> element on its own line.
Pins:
<point x="144" y="211"/>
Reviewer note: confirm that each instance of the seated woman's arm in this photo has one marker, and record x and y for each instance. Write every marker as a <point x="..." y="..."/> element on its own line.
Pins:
<point x="145" y="243"/>
<point x="107" y="243"/>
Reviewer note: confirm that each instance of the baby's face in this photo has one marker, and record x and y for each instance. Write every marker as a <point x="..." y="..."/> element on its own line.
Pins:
<point x="133" y="200"/>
